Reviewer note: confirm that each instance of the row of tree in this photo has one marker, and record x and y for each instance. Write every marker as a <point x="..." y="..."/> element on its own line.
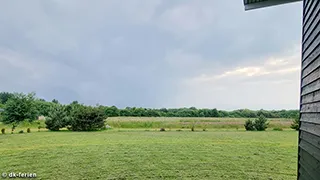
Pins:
<point x="19" y="106"/>
<point x="76" y="117"/>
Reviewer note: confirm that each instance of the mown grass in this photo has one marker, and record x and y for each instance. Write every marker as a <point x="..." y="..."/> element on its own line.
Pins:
<point x="134" y="154"/>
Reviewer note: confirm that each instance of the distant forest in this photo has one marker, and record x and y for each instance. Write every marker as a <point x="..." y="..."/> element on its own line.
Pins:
<point x="42" y="107"/>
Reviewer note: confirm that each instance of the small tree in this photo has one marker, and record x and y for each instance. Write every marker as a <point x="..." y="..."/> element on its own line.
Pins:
<point x="13" y="127"/>
<point x="193" y="125"/>
<point x="295" y="123"/>
<point x="87" y="118"/>
<point x="261" y="123"/>
<point x="57" y="118"/>
<point x="39" y="126"/>
<point x="249" y="125"/>
<point x="19" y="107"/>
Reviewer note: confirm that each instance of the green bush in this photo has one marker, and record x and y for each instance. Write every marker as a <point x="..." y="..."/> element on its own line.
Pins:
<point x="261" y="123"/>
<point x="28" y="130"/>
<point x="295" y="124"/>
<point x="3" y="131"/>
<point x="39" y="126"/>
<point x="57" y="118"/>
<point x="13" y="126"/>
<point x="162" y="129"/>
<point x="249" y="125"/>
<point x="87" y="118"/>
<point x="21" y="131"/>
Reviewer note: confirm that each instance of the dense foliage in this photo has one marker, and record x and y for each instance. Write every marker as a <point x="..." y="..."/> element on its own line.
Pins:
<point x="259" y="124"/>
<point x="57" y="118"/>
<point x="87" y="118"/>
<point x="249" y="125"/>
<point x="295" y="123"/>
<point x="5" y="96"/>
<point x="19" y="108"/>
<point x="75" y="117"/>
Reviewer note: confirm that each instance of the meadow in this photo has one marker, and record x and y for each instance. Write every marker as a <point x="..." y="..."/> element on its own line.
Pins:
<point x="187" y="122"/>
<point x="138" y="152"/>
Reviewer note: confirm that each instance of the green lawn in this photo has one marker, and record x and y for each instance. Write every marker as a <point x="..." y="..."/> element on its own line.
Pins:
<point x="139" y="154"/>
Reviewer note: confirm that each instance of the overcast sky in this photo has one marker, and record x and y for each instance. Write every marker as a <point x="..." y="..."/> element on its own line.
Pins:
<point x="152" y="53"/>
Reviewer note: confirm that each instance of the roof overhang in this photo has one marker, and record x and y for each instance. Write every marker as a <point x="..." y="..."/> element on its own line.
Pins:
<point x="254" y="4"/>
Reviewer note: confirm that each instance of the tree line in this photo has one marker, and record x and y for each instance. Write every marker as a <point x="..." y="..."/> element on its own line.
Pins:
<point x="28" y="106"/>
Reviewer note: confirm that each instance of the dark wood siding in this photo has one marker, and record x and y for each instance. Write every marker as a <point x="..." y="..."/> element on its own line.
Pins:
<point x="309" y="134"/>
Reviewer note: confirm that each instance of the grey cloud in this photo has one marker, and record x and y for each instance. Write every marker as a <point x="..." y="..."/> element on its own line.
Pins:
<point x="137" y="52"/>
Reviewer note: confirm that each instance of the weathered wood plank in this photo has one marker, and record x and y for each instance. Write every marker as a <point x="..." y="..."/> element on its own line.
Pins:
<point x="310" y="10"/>
<point x="308" y="70"/>
<point x="314" y="86"/>
<point x="309" y="134"/>
<point x="312" y="47"/>
<point x="311" y="128"/>
<point x="312" y="107"/>
<point x="310" y="117"/>
<point x="310" y="98"/>
<point x="306" y="6"/>
<point x="309" y="39"/>
<point x="304" y="174"/>
<point x="311" y="24"/>
<point x="313" y="151"/>
<point x="305" y="156"/>
<point x="313" y="76"/>
<point x="311" y="138"/>
<point x="313" y="56"/>
<point x="309" y="20"/>
<point x="311" y="171"/>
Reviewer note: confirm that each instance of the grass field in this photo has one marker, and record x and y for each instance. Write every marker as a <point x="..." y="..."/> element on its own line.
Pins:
<point x="139" y="154"/>
<point x="174" y="123"/>
<point x="186" y="123"/>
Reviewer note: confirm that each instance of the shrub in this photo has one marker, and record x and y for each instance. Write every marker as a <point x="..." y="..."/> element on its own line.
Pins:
<point x="28" y="130"/>
<point x="193" y="125"/>
<point x="295" y="124"/>
<point x="261" y="123"/>
<point x="57" y="118"/>
<point x="39" y="126"/>
<point x="204" y="127"/>
<point x="87" y="118"/>
<point x="277" y="129"/>
<point x="13" y="127"/>
<point x="3" y="131"/>
<point x="162" y="129"/>
<point x="21" y="131"/>
<point x="249" y="125"/>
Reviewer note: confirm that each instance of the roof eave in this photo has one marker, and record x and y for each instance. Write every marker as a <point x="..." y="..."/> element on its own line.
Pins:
<point x="263" y="4"/>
